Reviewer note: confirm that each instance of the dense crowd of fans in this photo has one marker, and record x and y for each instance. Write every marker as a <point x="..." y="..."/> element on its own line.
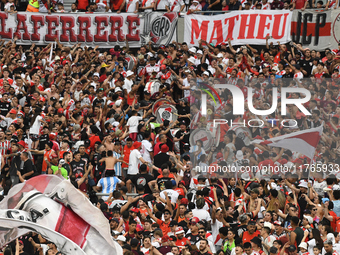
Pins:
<point x="134" y="6"/>
<point x="86" y="114"/>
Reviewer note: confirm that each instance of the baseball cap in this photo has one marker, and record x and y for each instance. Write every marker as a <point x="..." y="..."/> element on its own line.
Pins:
<point x="121" y="238"/>
<point x="277" y="223"/>
<point x="309" y="219"/>
<point x="184" y="201"/>
<point x="194" y="220"/>
<point x="292" y="248"/>
<point x="173" y="223"/>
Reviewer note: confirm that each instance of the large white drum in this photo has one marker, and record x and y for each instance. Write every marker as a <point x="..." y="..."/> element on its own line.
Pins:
<point x="215" y="132"/>
<point x="166" y="112"/>
<point x="242" y="132"/>
<point x="173" y="133"/>
<point x="152" y="87"/>
<point x="159" y="103"/>
<point x="203" y="135"/>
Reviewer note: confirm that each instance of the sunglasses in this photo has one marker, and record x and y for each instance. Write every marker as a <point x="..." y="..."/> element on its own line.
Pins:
<point x="201" y="232"/>
<point x="315" y="209"/>
<point x="166" y="213"/>
<point x="261" y="222"/>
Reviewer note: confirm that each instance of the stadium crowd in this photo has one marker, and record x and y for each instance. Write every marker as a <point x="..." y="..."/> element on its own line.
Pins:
<point x="191" y="6"/>
<point x="86" y="114"/>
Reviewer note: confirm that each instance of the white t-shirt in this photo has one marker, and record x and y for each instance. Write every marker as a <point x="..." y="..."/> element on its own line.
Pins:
<point x="186" y="84"/>
<point x="147" y="3"/>
<point x="8" y="6"/>
<point x="128" y="83"/>
<point x="146" y="149"/>
<point x="134" y="162"/>
<point x="34" y="130"/>
<point x="171" y="193"/>
<point x="268" y="241"/>
<point x="133" y="124"/>
<point x="319" y="186"/>
<point x="201" y="214"/>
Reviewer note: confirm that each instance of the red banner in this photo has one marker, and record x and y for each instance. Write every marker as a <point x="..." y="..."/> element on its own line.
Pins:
<point x="241" y="27"/>
<point x="90" y="29"/>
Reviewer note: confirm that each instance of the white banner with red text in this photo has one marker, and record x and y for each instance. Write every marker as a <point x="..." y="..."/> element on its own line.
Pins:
<point x="104" y="30"/>
<point x="316" y="30"/>
<point x="241" y="27"/>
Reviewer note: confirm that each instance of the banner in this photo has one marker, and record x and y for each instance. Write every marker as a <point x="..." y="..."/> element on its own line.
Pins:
<point x="54" y="203"/>
<point x="104" y="30"/>
<point x="14" y="228"/>
<point x="242" y="27"/>
<point x="312" y="29"/>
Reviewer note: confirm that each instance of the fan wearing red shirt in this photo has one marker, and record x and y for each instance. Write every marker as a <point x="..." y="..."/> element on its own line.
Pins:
<point x="250" y="233"/>
<point x="329" y="214"/>
<point x="181" y="240"/>
<point x="5" y="73"/>
<point x="299" y="4"/>
<point x="127" y="150"/>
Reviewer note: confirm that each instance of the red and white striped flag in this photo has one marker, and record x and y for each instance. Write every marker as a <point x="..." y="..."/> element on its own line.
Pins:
<point x="60" y="207"/>
<point x="304" y="141"/>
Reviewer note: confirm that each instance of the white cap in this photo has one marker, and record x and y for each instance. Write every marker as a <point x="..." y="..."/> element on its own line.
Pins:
<point x="199" y="51"/>
<point x="219" y="55"/>
<point x="118" y="102"/>
<point x="267" y="224"/>
<point x="303" y="245"/>
<point x="192" y="60"/>
<point x="192" y="49"/>
<point x="303" y="184"/>
<point x="206" y="73"/>
<point x="326" y="189"/>
<point x="309" y="218"/>
<point x="100" y="55"/>
<point x="239" y="154"/>
<point x="150" y="54"/>
<point x="57" y="58"/>
<point x="96" y="74"/>
<point x="195" y="1"/>
<point x="121" y="238"/>
<point x="128" y="73"/>
<point x="330" y="237"/>
<point x="118" y="89"/>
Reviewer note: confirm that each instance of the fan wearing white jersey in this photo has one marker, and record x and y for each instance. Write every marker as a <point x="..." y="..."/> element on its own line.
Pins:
<point x="132" y="6"/>
<point x="175" y="5"/>
<point x="147" y="5"/>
